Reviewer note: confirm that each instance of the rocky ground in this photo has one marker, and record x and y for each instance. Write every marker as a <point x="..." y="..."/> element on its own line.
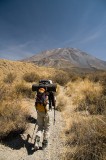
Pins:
<point x="21" y="146"/>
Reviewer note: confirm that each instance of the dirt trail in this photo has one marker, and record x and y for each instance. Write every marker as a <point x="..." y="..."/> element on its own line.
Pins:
<point x="21" y="147"/>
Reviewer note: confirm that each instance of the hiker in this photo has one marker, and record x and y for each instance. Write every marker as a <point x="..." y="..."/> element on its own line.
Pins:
<point x="43" y="120"/>
<point x="52" y="100"/>
<point x="51" y="97"/>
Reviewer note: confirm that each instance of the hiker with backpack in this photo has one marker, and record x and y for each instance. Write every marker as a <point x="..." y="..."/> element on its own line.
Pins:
<point x="44" y="101"/>
<point x="43" y="120"/>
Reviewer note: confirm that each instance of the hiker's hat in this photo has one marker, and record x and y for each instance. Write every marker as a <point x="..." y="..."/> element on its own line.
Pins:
<point x="41" y="90"/>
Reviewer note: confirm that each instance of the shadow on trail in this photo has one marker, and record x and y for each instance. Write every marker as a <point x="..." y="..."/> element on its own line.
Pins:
<point x="30" y="119"/>
<point x="18" y="140"/>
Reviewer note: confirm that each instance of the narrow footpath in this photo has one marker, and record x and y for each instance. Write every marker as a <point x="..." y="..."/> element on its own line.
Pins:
<point x="21" y="147"/>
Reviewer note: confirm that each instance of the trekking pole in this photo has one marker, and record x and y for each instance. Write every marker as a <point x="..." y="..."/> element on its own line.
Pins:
<point x="54" y="115"/>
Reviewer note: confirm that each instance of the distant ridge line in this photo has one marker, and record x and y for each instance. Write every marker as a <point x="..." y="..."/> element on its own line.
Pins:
<point x="67" y="58"/>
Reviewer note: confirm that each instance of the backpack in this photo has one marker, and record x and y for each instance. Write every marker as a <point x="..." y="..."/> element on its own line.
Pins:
<point x="41" y="102"/>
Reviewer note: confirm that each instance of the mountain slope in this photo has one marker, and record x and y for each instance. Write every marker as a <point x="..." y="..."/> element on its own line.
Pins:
<point x="20" y="68"/>
<point x="67" y="58"/>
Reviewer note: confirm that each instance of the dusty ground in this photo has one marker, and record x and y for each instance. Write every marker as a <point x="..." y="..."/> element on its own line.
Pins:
<point x="21" y="147"/>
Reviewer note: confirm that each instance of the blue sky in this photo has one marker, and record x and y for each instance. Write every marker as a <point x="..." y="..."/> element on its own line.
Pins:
<point x="28" y="27"/>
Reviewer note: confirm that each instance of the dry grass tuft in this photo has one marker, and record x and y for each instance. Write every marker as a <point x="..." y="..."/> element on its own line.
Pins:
<point x="12" y="114"/>
<point x="7" y="92"/>
<point x="61" y="103"/>
<point x="12" y="117"/>
<point x="61" y="99"/>
<point x="87" y="137"/>
<point x="87" y="95"/>
<point x="31" y="77"/>
<point x="24" y="90"/>
<point x="61" y="78"/>
<point x="2" y="91"/>
<point x="10" y="77"/>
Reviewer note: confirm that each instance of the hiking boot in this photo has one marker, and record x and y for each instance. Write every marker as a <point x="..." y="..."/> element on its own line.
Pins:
<point x="37" y="142"/>
<point x="44" y="144"/>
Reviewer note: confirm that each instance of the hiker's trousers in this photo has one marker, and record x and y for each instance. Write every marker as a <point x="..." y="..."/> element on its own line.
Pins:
<point x="43" y="121"/>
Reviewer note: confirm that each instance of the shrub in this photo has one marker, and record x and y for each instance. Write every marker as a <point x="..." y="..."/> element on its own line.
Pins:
<point x="88" y="138"/>
<point x="61" y="78"/>
<point x="12" y="117"/>
<point x="24" y="90"/>
<point x="6" y="92"/>
<point x="87" y="95"/>
<point x="74" y="77"/>
<point x="10" y="78"/>
<point x="2" y="92"/>
<point x="31" y="77"/>
<point x="61" y="99"/>
<point x="97" y="77"/>
<point x="61" y="103"/>
<point x="93" y="104"/>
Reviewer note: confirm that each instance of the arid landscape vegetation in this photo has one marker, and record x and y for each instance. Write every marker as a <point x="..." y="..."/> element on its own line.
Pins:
<point x="81" y="100"/>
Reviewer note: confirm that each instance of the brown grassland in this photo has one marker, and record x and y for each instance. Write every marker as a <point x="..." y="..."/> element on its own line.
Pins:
<point x="81" y="100"/>
<point x="15" y="86"/>
<point x="85" y="117"/>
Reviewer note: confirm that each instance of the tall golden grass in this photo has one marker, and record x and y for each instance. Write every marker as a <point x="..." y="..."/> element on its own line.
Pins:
<point x="12" y="114"/>
<point x="12" y="117"/>
<point x="24" y="90"/>
<point x="61" y="78"/>
<point x="86" y="137"/>
<point x="86" y="121"/>
<point x="31" y="77"/>
<point x="10" y="78"/>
